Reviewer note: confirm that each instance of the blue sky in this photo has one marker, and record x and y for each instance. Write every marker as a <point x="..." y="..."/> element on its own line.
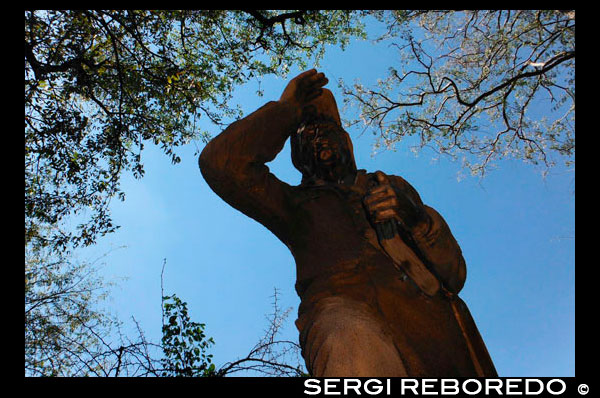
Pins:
<point x="516" y="230"/>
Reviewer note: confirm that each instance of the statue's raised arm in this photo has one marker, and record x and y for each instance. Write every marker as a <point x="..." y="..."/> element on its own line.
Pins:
<point x="233" y="163"/>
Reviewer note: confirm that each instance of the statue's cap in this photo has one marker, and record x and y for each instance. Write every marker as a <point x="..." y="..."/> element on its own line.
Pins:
<point x="325" y="106"/>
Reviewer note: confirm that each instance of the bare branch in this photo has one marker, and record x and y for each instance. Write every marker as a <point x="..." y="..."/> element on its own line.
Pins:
<point x="474" y="76"/>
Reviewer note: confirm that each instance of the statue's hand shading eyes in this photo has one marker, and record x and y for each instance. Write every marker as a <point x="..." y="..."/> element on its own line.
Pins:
<point x="304" y="88"/>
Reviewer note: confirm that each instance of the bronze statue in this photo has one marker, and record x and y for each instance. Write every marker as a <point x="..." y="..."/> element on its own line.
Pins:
<point x="378" y="271"/>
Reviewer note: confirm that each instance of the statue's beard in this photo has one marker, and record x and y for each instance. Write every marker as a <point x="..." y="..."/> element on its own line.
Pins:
<point x="326" y="153"/>
<point x="328" y="161"/>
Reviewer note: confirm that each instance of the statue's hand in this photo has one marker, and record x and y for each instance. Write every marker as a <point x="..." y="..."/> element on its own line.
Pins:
<point x="383" y="203"/>
<point x="304" y="88"/>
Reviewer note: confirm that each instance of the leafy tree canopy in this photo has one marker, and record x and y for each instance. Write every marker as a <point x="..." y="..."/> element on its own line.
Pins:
<point x="99" y="85"/>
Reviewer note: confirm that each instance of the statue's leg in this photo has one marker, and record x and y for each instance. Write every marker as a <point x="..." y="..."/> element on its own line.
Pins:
<point x="343" y="338"/>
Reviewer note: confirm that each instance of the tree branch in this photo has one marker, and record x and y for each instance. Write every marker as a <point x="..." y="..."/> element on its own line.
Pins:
<point x="297" y="16"/>
<point x="550" y="64"/>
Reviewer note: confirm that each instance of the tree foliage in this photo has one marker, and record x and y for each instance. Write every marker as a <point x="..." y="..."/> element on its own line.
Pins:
<point x="99" y="85"/>
<point x="481" y="85"/>
<point x="185" y="346"/>
<point x="68" y="333"/>
<point x="64" y="330"/>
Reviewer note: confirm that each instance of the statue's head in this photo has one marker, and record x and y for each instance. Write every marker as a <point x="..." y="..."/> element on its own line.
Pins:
<point x="321" y="148"/>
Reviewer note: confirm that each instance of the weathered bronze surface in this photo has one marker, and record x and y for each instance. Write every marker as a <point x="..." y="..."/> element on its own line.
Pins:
<point x="378" y="272"/>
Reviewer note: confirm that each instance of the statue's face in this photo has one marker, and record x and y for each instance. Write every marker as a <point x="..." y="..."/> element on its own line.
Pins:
<point x="324" y="151"/>
<point x="322" y="144"/>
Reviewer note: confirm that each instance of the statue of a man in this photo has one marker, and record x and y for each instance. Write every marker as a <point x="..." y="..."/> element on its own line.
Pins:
<point x="378" y="271"/>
